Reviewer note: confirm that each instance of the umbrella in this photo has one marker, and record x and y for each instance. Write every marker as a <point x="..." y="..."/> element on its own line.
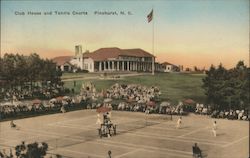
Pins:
<point x="103" y="109"/>
<point x="60" y="98"/>
<point x="151" y="103"/>
<point x="36" y="101"/>
<point x="107" y="100"/>
<point x="189" y="101"/>
<point x="164" y="104"/>
<point x="66" y="98"/>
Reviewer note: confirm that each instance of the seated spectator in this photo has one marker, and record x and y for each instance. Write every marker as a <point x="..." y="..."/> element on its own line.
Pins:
<point x="196" y="151"/>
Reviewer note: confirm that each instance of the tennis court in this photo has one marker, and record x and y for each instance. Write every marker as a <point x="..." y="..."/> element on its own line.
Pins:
<point x="74" y="134"/>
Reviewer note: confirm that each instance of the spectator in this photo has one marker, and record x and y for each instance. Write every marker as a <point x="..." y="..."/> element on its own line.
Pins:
<point x="109" y="154"/>
<point x="196" y="151"/>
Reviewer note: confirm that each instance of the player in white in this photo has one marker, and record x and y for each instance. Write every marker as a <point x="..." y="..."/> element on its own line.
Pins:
<point x="178" y="124"/>
<point x="214" y="128"/>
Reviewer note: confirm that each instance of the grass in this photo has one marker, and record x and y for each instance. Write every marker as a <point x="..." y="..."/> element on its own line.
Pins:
<point x="174" y="86"/>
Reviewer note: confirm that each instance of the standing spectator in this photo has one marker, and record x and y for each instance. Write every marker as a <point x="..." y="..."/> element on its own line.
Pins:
<point x="109" y="154"/>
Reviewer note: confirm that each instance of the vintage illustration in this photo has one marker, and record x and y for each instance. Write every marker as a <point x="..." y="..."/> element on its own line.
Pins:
<point x="124" y="79"/>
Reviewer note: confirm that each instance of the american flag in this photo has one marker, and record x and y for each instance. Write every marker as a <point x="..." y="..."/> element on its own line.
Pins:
<point x="150" y="16"/>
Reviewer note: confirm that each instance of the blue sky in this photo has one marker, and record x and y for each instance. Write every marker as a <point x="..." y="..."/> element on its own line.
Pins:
<point x="187" y="32"/>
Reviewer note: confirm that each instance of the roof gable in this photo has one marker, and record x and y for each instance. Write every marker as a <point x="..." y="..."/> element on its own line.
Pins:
<point x="62" y="60"/>
<point x="114" y="52"/>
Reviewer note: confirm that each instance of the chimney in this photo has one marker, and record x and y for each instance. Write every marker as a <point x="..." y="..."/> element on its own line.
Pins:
<point x="78" y="50"/>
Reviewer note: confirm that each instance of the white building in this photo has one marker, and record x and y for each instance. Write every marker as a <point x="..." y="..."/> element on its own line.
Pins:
<point x="114" y="59"/>
<point x="168" y="67"/>
<point x="63" y="63"/>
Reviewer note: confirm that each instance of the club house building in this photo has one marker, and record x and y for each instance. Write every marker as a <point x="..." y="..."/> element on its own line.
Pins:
<point x="109" y="59"/>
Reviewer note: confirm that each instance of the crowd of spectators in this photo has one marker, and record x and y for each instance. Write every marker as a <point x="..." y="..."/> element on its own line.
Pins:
<point x="231" y="114"/>
<point x="159" y="109"/>
<point x="226" y="114"/>
<point x="133" y="92"/>
<point x="45" y="92"/>
<point x="122" y="97"/>
<point x="36" y="107"/>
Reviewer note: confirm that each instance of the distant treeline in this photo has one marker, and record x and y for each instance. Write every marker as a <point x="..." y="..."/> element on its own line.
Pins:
<point x="228" y="89"/>
<point x="19" y="70"/>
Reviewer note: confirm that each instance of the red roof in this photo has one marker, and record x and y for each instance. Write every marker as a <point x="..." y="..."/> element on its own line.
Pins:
<point x="61" y="59"/>
<point x="167" y="63"/>
<point x="113" y="52"/>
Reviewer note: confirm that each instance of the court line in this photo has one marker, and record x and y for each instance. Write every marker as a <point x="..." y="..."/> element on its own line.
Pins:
<point x="15" y="140"/>
<point x="166" y="128"/>
<point x="55" y="136"/>
<point x="236" y="141"/>
<point x="144" y="134"/>
<point x="177" y="138"/>
<point x="81" y="153"/>
<point x="82" y="118"/>
<point x="74" y="139"/>
<point x="147" y="147"/>
<point x="49" y="135"/>
<point x="46" y="132"/>
<point x="174" y="139"/>
<point x="127" y="153"/>
<point x="127" y="147"/>
<point x="70" y="120"/>
<point x="194" y="131"/>
<point x="167" y="153"/>
<point x="75" y="127"/>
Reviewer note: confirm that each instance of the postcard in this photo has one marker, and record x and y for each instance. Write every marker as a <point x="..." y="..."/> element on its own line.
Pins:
<point x="124" y="79"/>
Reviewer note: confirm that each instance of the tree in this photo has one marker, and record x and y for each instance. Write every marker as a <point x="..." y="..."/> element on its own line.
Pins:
<point x="19" y="70"/>
<point x="227" y="88"/>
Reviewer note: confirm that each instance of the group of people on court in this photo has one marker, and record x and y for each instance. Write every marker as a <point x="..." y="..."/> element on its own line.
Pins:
<point x="214" y="128"/>
<point x="197" y="153"/>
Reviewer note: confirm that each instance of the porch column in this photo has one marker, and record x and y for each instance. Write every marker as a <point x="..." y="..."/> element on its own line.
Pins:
<point x="108" y="65"/>
<point x="122" y="65"/>
<point x="127" y="65"/>
<point x="118" y="66"/>
<point x="104" y="66"/>
<point x="100" y="66"/>
<point x="113" y="65"/>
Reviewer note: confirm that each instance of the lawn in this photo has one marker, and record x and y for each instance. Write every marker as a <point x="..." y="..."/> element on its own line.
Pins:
<point x="174" y="86"/>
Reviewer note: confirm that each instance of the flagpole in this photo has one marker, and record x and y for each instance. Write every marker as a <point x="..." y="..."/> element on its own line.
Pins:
<point x="153" y="41"/>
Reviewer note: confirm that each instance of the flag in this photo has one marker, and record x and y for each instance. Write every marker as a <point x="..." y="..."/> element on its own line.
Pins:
<point x="150" y="16"/>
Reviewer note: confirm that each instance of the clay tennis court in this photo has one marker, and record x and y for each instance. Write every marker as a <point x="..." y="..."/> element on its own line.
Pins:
<point x="74" y="134"/>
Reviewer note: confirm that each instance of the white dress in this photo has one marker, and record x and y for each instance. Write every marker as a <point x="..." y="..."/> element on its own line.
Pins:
<point x="98" y="121"/>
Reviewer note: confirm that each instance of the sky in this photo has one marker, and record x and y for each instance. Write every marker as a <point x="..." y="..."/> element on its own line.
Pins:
<point x="183" y="32"/>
